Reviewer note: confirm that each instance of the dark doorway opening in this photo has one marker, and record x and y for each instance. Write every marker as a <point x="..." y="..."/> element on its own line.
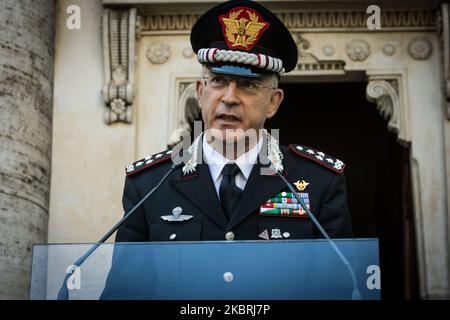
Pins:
<point x="337" y="119"/>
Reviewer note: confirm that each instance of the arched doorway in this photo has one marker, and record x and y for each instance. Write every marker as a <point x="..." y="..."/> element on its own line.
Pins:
<point x="337" y="119"/>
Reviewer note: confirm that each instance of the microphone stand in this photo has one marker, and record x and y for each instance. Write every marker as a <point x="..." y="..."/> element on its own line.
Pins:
<point x="356" y="295"/>
<point x="64" y="292"/>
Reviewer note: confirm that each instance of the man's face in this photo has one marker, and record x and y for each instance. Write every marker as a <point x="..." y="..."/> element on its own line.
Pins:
<point x="242" y="103"/>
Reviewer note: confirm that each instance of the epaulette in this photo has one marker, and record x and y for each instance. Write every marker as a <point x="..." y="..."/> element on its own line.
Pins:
<point x="319" y="157"/>
<point x="148" y="162"/>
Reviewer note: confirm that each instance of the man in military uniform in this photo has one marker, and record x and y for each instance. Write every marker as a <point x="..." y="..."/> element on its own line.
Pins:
<point x="243" y="49"/>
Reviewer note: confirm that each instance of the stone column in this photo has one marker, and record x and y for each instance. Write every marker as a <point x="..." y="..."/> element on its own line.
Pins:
<point x="26" y="85"/>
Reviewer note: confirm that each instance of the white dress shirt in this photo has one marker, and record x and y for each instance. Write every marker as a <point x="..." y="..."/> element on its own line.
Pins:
<point x="216" y="161"/>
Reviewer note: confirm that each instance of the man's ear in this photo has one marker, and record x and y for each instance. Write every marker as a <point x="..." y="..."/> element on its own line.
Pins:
<point x="275" y="101"/>
<point x="198" y="90"/>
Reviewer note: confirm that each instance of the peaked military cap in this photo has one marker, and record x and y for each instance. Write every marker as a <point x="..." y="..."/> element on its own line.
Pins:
<point x="241" y="37"/>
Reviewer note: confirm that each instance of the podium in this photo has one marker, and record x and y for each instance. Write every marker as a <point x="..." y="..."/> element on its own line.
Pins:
<point x="209" y="270"/>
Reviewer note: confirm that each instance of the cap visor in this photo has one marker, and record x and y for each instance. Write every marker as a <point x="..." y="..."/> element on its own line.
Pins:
<point x="238" y="71"/>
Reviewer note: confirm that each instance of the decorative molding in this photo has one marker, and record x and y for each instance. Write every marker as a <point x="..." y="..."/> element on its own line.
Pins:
<point x="186" y="111"/>
<point x="420" y="48"/>
<point x="188" y="53"/>
<point x="357" y="20"/>
<point x="309" y="64"/>
<point x="168" y="22"/>
<point x="444" y="30"/>
<point x="158" y="53"/>
<point x="386" y="92"/>
<point x="358" y="50"/>
<point x="328" y="50"/>
<point x="119" y="40"/>
<point x="336" y="21"/>
<point x="138" y="27"/>
<point x="389" y="49"/>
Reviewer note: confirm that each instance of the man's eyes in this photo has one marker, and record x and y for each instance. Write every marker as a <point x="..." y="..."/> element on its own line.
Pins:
<point x="250" y="84"/>
<point x="219" y="80"/>
<point x="242" y="83"/>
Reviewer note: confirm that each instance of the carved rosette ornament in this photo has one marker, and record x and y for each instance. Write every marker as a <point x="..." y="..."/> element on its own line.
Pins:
<point x="328" y="50"/>
<point x="188" y="53"/>
<point x="119" y="40"/>
<point x="358" y="50"/>
<point x="388" y="49"/>
<point x="420" y="48"/>
<point x="158" y="53"/>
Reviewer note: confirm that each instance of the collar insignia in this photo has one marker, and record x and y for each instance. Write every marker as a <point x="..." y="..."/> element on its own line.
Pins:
<point x="191" y="164"/>
<point x="274" y="153"/>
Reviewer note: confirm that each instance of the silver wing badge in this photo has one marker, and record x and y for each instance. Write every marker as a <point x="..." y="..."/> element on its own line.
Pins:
<point x="177" y="216"/>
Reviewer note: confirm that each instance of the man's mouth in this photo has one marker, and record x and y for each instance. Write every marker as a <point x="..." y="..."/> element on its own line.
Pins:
<point x="228" y="117"/>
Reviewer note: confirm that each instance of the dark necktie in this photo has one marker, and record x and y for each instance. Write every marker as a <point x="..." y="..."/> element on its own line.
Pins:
<point x="229" y="192"/>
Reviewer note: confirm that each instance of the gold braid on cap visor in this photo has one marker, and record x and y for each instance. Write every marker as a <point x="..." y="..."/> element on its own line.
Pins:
<point x="262" y="61"/>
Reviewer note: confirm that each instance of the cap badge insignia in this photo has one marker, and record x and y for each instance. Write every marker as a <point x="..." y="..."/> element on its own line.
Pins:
<point x="301" y="185"/>
<point x="242" y="27"/>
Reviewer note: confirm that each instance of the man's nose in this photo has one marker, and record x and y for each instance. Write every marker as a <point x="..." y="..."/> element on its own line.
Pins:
<point x="231" y="96"/>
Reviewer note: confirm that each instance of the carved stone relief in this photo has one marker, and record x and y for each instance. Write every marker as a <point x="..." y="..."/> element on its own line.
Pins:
<point x="358" y="50"/>
<point x="356" y="21"/>
<point x="158" y="53"/>
<point x="119" y="40"/>
<point x="188" y="112"/>
<point x="420" y="48"/>
<point x="389" y="49"/>
<point x="385" y="93"/>
<point x="444" y="30"/>
<point x="328" y="50"/>
<point x="188" y="53"/>
<point x="308" y="63"/>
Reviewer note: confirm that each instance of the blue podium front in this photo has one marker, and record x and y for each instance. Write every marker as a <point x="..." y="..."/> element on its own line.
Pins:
<point x="219" y="270"/>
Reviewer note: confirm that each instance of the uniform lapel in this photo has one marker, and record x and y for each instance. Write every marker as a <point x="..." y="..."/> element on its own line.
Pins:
<point x="258" y="189"/>
<point x="199" y="189"/>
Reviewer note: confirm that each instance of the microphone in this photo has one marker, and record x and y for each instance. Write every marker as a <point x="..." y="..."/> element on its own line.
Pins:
<point x="64" y="292"/>
<point x="356" y="295"/>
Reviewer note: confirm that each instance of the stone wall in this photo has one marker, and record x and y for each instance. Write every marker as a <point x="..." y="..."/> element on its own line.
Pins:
<point x="89" y="156"/>
<point x="26" y="80"/>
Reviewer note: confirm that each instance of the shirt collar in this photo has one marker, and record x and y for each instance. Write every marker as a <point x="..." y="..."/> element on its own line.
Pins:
<point x="216" y="161"/>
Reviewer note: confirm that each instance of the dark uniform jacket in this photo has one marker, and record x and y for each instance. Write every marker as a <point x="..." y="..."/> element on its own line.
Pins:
<point x="195" y="194"/>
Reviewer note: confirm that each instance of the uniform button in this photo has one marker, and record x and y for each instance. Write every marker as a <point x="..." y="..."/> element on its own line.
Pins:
<point x="228" y="276"/>
<point x="173" y="236"/>
<point x="286" y="234"/>
<point x="229" y="235"/>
